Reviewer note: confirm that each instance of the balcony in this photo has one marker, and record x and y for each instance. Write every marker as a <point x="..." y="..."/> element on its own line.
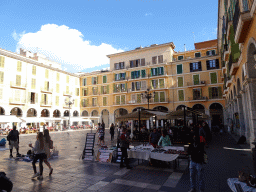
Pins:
<point x="226" y="50"/>
<point x="160" y="87"/>
<point x="157" y="75"/>
<point x="224" y="70"/>
<point x="46" y="90"/>
<point x="217" y="97"/>
<point x="200" y="84"/>
<point x="65" y="93"/>
<point x="196" y="99"/>
<point x="14" y="84"/>
<point x="45" y="104"/>
<point x="17" y="101"/>
<point x="234" y="68"/>
<point x="122" y="79"/>
<point x="243" y="16"/>
<point x="228" y="83"/>
<point x="151" y="101"/>
<point x="119" y="103"/>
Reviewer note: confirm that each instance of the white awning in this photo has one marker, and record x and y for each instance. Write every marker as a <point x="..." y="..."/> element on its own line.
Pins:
<point x="32" y="119"/>
<point x="9" y="119"/>
<point x="47" y="119"/>
<point x="76" y="119"/>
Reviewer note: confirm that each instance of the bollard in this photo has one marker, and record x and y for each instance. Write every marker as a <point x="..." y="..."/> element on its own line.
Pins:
<point x="254" y="157"/>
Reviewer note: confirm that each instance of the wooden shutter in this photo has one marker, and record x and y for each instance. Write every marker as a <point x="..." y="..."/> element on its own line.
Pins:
<point x="156" y="83"/>
<point x="219" y="92"/>
<point x="138" y="74"/>
<point x="162" y="97"/>
<point x="196" y="79"/>
<point x="152" y="84"/>
<point x="151" y="72"/>
<point x="122" y="99"/>
<point x="77" y="91"/>
<point x="199" y="66"/>
<point x="180" y="81"/>
<point x="217" y="64"/>
<point x="213" y="78"/>
<point x="179" y="69"/>
<point x="104" y="101"/>
<point x="19" y="66"/>
<point x="92" y="80"/>
<point x="118" y="100"/>
<point x="161" y="83"/>
<point x="138" y="98"/>
<point x="207" y="53"/>
<point x="57" y="88"/>
<point x="114" y="88"/>
<point x="104" y="79"/>
<point x="143" y="85"/>
<point x="1" y="77"/>
<point x="132" y="75"/>
<point x="107" y="89"/>
<point x="133" y="86"/>
<point x="58" y="76"/>
<point x="191" y="67"/>
<point x="67" y="79"/>
<point x="18" y="80"/>
<point x="84" y="82"/>
<point x="67" y="89"/>
<point x="213" y="52"/>
<point x="181" y="95"/>
<point x="210" y="92"/>
<point x="208" y="64"/>
<point x="142" y="62"/>
<point x="156" y="98"/>
<point x="2" y="61"/>
<point x="101" y="90"/>
<point x="46" y="73"/>
<point x="143" y="73"/>
<point x="125" y="87"/>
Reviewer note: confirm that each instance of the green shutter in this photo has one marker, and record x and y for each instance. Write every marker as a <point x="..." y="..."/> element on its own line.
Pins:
<point x="92" y="80"/>
<point x="220" y="92"/>
<point x="143" y="73"/>
<point x="87" y="93"/>
<point x="104" y="101"/>
<point x="138" y="98"/>
<point x="180" y="81"/>
<point x="114" y="87"/>
<point x="162" y="71"/>
<point x="151" y="72"/>
<point x="101" y="90"/>
<point x="122" y="99"/>
<point x="125" y="88"/>
<point x="115" y="77"/>
<point x="104" y="79"/>
<point x="181" y="95"/>
<point x="156" y="84"/>
<point x="161" y="83"/>
<point x="107" y="89"/>
<point x="162" y="97"/>
<point x="117" y="100"/>
<point x="196" y="79"/>
<point x="156" y="98"/>
<point x="132" y="74"/>
<point x="210" y="92"/>
<point x="152" y="87"/>
<point x="213" y="78"/>
<point x="179" y="69"/>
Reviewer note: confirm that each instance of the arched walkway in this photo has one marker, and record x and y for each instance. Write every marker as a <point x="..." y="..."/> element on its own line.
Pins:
<point x="85" y="113"/>
<point x="95" y="117"/>
<point x="31" y="112"/>
<point x="161" y="108"/>
<point x="180" y="107"/>
<point x="66" y="113"/>
<point x="75" y="114"/>
<point x="105" y="117"/>
<point x="56" y="113"/>
<point x="216" y="113"/>
<point x="45" y="113"/>
<point x="16" y="111"/>
<point x="2" y="112"/>
<point x="199" y="107"/>
<point x="120" y="112"/>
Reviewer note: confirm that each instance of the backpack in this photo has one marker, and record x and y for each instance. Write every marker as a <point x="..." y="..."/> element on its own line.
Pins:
<point x="5" y="183"/>
<point x="51" y="144"/>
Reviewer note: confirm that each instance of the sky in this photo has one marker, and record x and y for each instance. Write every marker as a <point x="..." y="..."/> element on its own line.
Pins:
<point x="80" y="33"/>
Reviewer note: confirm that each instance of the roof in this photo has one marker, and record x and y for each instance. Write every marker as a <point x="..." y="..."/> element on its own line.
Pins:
<point x="206" y="44"/>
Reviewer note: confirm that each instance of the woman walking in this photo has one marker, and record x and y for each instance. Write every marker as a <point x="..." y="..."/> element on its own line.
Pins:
<point x="112" y="131"/>
<point x="39" y="154"/>
<point x="47" y="140"/>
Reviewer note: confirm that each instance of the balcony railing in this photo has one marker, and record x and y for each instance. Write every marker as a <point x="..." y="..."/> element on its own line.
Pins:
<point x="44" y="89"/>
<point x="17" y="101"/>
<point x="122" y="79"/>
<point x="119" y="103"/>
<point x="65" y="93"/>
<point x="198" y="98"/>
<point x="217" y="97"/>
<point x="18" y="85"/>
<point x="44" y="103"/>
<point x="151" y="101"/>
<point x="200" y="83"/>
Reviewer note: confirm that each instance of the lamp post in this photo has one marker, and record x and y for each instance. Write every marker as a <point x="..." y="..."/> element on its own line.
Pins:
<point x="148" y="95"/>
<point x="69" y="102"/>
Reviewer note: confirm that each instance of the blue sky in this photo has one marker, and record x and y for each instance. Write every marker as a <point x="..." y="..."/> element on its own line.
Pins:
<point x="80" y="33"/>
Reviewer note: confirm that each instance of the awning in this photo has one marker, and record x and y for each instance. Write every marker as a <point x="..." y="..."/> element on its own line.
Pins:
<point x="32" y="119"/>
<point x="47" y="119"/>
<point x="9" y="119"/>
<point x="158" y="114"/>
<point x="77" y="118"/>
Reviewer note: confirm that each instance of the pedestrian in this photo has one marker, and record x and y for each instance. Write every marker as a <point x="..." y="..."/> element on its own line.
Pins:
<point x="47" y="140"/>
<point x="14" y="140"/>
<point x="101" y="134"/>
<point x="207" y="133"/>
<point x="112" y="131"/>
<point x="164" y="139"/>
<point x="124" y="144"/>
<point x="39" y="153"/>
<point x="196" y="152"/>
<point x="202" y="134"/>
<point x="153" y="138"/>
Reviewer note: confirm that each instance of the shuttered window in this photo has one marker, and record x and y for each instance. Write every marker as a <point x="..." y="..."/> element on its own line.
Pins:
<point x="104" y="101"/>
<point x="142" y="62"/>
<point x="162" y="96"/>
<point x="180" y="81"/>
<point x="156" y="98"/>
<point x="161" y="83"/>
<point x="196" y="79"/>
<point x="198" y="54"/>
<point x="57" y="88"/>
<point x="84" y="82"/>
<point x="105" y="79"/>
<point x="57" y="76"/>
<point x="33" y="70"/>
<point x="77" y="91"/>
<point x="67" y="79"/>
<point x="213" y="78"/>
<point x="154" y="60"/>
<point x="46" y="73"/>
<point x="2" y="61"/>
<point x="143" y="73"/>
<point x="33" y="84"/>
<point x="1" y="77"/>
<point x="57" y="101"/>
<point x="180" y="57"/>
<point x="179" y="69"/>
<point x="19" y="66"/>
<point x="122" y="99"/>
<point x="138" y="98"/>
<point x="181" y="95"/>
<point x="67" y="89"/>
<point x="118" y="100"/>
<point x="18" y="80"/>
<point x="160" y="59"/>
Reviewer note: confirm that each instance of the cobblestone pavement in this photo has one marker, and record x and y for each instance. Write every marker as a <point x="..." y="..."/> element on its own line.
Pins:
<point x="73" y="174"/>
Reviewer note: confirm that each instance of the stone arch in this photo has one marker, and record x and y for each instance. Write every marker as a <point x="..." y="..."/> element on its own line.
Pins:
<point x="216" y="113"/>
<point x="16" y="111"/>
<point x="161" y="108"/>
<point x="135" y="109"/>
<point x="94" y="113"/>
<point x="180" y="107"/>
<point x="2" y="111"/>
<point x="75" y="113"/>
<point x="85" y="113"/>
<point x="94" y="116"/>
<point x="199" y="107"/>
<point x="120" y="112"/>
<point x="66" y="113"/>
<point x="56" y="113"/>
<point x="31" y="112"/>
<point x="251" y="50"/>
<point x="105" y="117"/>
<point x="45" y="113"/>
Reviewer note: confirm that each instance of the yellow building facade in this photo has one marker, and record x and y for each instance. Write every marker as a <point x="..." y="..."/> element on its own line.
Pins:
<point x="174" y="79"/>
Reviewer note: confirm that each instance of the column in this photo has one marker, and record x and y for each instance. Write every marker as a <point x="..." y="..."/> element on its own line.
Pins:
<point x="252" y="109"/>
<point x="157" y="124"/>
<point x="241" y="114"/>
<point x="209" y="122"/>
<point x="131" y="122"/>
<point x="162" y="123"/>
<point x="147" y="124"/>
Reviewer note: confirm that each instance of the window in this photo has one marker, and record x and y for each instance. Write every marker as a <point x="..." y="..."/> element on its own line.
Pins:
<point x="67" y="89"/>
<point x="94" y="101"/>
<point x="105" y="89"/>
<point x="161" y="83"/>
<point x="33" y="70"/>
<point x="18" y="80"/>
<point x="84" y="81"/>
<point x="139" y="85"/>
<point x="84" y="91"/>
<point x="57" y="76"/>
<point x="215" y="92"/>
<point x="157" y="71"/>
<point x="212" y="64"/>
<point x="57" y="88"/>
<point x="123" y="87"/>
<point x="195" y="66"/>
<point x="46" y="73"/>
<point x="197" y="94"/>
<point x="210" y="53"/>
<point x="196" y="79"/>
<point x="159" y="97"/>
<point x="160" y="59"/>
<point x="94" y="80"/>
<point x="180" y="81"/>
<point x="154" y="84"/>
<point x="1" y="77"/>
<point x="32" y="98"/>
<point x="19" y="66"/>
<point x="67" y="79"/>
<point x="57" y="101"/>
<point x="179" y="69"/>
<point x="142" y="62"/>
<point x="46" y="85"/>
<point x="119" y="65"/>
<point x="104" y="101"/>
<point x="104" y="79"/>
<point x="154" y="60"/>
<point x="2" y="61"/>
<point x="198" y="54"/>
<point x="120" y="76"/>
<point x="181" y="95"/>
<point x="180" y="57"/>
<point x="77" y="91"/>
<point x="94" y="90"/>
<point x="33" y="83"/>
<point x="143" y="73"/>
<point x="85" y="102"/>
<point x="120" y="100"/>
<point x="213" y="78"/>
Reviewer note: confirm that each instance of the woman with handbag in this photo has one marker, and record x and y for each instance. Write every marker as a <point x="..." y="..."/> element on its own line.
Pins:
<point x="47" y="141"/>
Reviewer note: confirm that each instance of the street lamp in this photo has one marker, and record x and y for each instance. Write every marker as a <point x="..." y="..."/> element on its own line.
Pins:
<point x="69" y="102"/>
<point x="148" y="95"/>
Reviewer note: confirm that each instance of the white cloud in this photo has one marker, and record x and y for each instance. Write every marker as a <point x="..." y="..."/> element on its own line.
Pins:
<point x="66" y="46"/>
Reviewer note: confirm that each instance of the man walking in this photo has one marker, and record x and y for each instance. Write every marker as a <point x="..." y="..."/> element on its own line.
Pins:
<point x="13" y="138"/>
<point x="124" y="144"/>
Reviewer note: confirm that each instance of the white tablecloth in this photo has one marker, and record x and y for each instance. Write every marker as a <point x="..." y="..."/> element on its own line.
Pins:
<point x="164" y="156"/>
<point x="174" y="148"/>
<point x="139" y="154"/>
<point x="231" y="184"/>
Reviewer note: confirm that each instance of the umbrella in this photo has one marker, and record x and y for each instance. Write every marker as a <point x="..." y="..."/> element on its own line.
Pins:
<point x="9" y="119"/>
<point x="144" y="115"/>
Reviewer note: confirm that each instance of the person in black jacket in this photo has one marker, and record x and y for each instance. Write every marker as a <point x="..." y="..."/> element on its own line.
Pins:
<point x="13" y="138"/>
<point x="196" y="152"/>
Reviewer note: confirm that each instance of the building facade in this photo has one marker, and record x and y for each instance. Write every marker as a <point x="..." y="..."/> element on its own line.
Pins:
<point x="34" y="89"/>
<point x="237" y="46"/>
<point x="174" y="79"/>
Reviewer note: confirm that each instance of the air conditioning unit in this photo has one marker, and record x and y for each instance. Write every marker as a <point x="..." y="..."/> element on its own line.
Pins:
<point x="202" y="82"/>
